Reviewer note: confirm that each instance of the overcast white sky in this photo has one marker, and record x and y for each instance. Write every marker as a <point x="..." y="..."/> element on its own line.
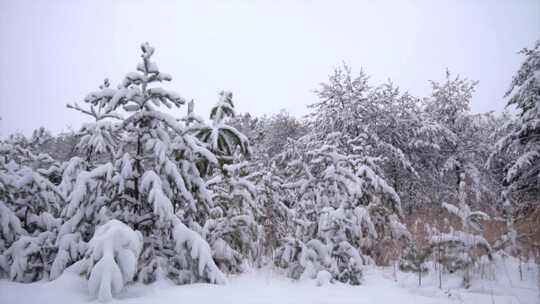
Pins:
<point x="270" y="54"/>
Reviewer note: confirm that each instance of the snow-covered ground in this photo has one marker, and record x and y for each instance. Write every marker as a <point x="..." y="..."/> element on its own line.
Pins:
<point x="267" y="286"/>
<point x="497" y="282"/>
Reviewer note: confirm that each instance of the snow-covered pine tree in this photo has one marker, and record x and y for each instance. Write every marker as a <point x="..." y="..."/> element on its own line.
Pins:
<point x="519" y="150"/>
<point x="88" y="200"/>
<point x="375" y="125"/>
<point x="384" y="116"/>
<point x="463" y="152"/>
<point x="223" y="138"/>
<point x="100" y="136"/>
<point x="10" y="224"/>
<point x="277" y="217"/>
<point x="522" y="178"/>
<point x="153" y="177"/>
<point x="86" y="182"/>
<point x="268" y="137"/>
<point x="340" y="181"/>
<point x="337" y="197"/>
<point x="232" y="229"/>
<point x="30" y="208"/>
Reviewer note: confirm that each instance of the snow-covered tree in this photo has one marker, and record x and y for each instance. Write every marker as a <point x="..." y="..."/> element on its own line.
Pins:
<point x="101" y="135"/>
<point x="384" y="116"/>
<point x="153" y="184"/>
<point x="523" y="173"/>
<point x="231" y="226"/>
<point x="232" y="230"/>
<point x="220" y="137"/>
<point x="277" y="216"/>
<point x="30" y="204"/>
<point x="88" y="201"/>
<point x="340" y="200"/>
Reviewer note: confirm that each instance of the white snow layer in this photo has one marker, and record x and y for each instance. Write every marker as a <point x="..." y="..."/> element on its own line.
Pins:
<point x="268" y="286"/>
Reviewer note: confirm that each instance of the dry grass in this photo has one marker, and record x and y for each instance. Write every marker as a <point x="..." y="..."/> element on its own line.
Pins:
<point x="527" y="225"/>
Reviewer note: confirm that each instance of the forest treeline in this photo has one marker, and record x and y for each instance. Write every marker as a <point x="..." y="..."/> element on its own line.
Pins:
<point x="140" y="194"/>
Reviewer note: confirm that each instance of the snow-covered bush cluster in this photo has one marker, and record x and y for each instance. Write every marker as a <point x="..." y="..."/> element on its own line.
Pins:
<point x="141" y="193"/>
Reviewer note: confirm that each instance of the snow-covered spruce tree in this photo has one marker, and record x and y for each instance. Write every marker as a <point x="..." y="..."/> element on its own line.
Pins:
<point x="30" y="204"/>
<point x="390" y="121"/>
<point x="154" y="176"/>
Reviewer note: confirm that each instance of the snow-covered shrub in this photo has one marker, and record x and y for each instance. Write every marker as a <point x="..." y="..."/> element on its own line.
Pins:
<point x="348" y="263"/>
<point x="304" y="260"/>
<point x="414" y="259"/>
<point x="111" y="259"/>
<point x="324" y="278"/>
<point x="461" y="250"/>
<point x="29" y="258"/>
<point x="10" y="226"/>
<point x="70" y="249"/>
